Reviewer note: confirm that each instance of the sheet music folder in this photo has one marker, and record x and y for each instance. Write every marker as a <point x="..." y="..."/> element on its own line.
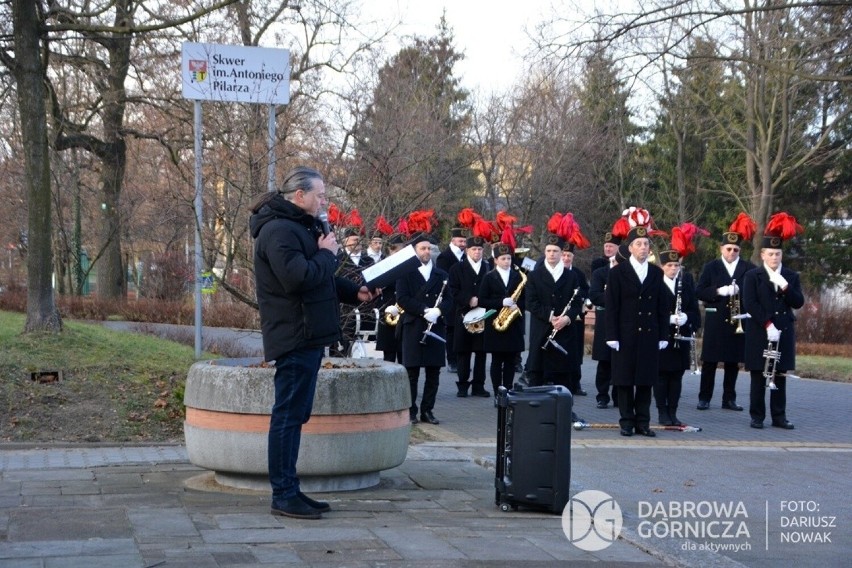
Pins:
<point x="388" y="270"/>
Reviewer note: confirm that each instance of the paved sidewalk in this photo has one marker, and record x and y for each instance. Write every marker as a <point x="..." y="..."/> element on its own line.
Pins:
<point x="133" y="507"/>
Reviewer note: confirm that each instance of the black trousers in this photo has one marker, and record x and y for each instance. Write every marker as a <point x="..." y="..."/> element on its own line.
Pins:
<point x="463" y="362"/>
<point x="603" y="379"/>
<point x="777" y="398"/>
<point x="451" y="355"/>
<point x="392" y="356"/>
<point x="668" y="388"/>
<point x="502" y="370"/>
<point x="430" y="388"/>
<point x="634" y="405"/>
<point x="708" y="381"/>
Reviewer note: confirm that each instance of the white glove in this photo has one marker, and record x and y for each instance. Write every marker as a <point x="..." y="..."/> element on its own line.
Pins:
<point x="773" y="333"/>
<point x="678" y="319"/>
<point x="432" y="314"/>
<point x="613" y="344"/>
<point x="778" y="280"/>
<point x="734" y="288"/>
<point x="508" y="302"/>
<point x="726" y="290"/>
<point x="663" y="344"/>
<point x="392" y="310"/>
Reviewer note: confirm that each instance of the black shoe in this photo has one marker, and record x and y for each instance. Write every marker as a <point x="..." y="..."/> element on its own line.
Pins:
<point x="757" y="424"/>
<point x="321" y="506"/>
<point x="580" y="392"/>
<point x="452" y="368"/>
<point x="703" y="405"/>
<point x="429" y="417"/>
<point x="786" y="424"/>
<point x="673" y="416"/>
<point x="627" y="431"/>
<point x="731" y="405"/>
<point x="295" y="507"/>
<point x="413" y="417"/>
<point x="480" y="392"/>
<point x="645" y="431"/>
<point x="664" y="418"/>
<point x="602" y="404"/>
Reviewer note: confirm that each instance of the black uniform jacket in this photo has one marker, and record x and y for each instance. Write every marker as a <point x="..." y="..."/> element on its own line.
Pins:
<point x="765" y="304"/>
<point x="675" y="357"/>
<point x="297" y="292"/>
<point x="637" y="316"/>
<point x="545" y="297"/>
<point x="491" y="295"/>
<point x="464" y="285"/>
<point x="597" y="294"/>
<point x="720" y="342"/>
<point x="414" y="295"/>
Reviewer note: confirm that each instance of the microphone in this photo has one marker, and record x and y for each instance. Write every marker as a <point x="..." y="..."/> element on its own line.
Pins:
<point x="323" y="218"/>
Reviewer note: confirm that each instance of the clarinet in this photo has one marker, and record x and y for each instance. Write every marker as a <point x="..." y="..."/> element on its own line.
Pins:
<point x="678" y="307"/>
<point x="428" y="331"/>
<point x="554" y="331"/>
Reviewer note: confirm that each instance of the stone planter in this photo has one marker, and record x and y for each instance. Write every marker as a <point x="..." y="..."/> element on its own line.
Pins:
<point x="359" y="425"/>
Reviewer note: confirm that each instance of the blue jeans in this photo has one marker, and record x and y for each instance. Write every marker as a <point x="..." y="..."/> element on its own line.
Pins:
<point x="295" y="385"/>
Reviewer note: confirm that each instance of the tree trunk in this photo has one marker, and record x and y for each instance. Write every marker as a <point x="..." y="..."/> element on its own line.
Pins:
<point x="42" y="314"/>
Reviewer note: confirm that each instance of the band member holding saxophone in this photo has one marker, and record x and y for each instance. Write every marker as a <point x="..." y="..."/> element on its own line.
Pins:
<point x="386" y="340"/>
<point x="637" y="325"/>
<point x="719" y="287"/>
<point x="770" y="294"/>
<point x="685" y="319"/>
<point x="554" y="300"/>
<point x="423" y="299"/>
<point x="465" y="279"/>
<point x="503" y="290"/>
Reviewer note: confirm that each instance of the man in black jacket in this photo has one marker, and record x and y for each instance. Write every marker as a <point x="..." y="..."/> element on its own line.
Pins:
<point x="449" y="257"/>
<point x="298" y="296"/>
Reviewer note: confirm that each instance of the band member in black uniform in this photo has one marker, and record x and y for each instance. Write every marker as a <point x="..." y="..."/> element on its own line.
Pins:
<point x="577" y="331"/>
<point x="597" y="287"/>
<point x="465" y="280"/>
<point x="685" y="319"/>
<point x="719" y="289"/>
<point x="770" y="294"/>
<point x="386" y="340"/>
<point x="453" y="254"/>
<point x="423" y="297"/>
<point x="503" y="290"/>
<point x="352" y="262"/>
<point x="550" y="288"/>
<point x="637" y="320"/>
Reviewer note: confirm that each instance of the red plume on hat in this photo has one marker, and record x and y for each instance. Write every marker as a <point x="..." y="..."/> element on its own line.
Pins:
<point x="421" y="221"/>
<point x="468" y="217"/>
<point x="354" y="220"/>
<point x="744" y="226"/>
<point x="382" y="226"/>
<point x="682" y="238"/>
<point x="335" y="216"/>
<point x="637" y="217"/>
<point x="402" y="227"/>
<point x="620" y="228"/>
<point x="783" y="225"/>
<point x="484" y="229"/>
<point x="569" y="230"/>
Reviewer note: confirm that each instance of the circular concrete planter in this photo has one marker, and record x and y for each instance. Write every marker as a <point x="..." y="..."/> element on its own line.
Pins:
<point x="359" y="425"/>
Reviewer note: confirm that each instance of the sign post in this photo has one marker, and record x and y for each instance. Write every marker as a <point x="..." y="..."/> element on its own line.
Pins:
<point x="229" y="73"/>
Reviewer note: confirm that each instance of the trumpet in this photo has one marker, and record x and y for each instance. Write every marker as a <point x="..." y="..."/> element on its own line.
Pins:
<point x="428" y="333"/>
<point x="734" y="309"/>
<point x="392" y="320"/>
<point x="771" y="356"/>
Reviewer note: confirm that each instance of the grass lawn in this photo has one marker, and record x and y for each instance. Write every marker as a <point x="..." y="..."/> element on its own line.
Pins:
<point x="116" y="387"/>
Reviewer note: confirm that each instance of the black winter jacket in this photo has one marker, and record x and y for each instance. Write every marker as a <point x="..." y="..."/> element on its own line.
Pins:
<point x="297" y="290"/>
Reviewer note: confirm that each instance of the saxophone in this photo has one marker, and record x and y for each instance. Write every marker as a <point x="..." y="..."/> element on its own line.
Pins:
<point x="507" y="315"/>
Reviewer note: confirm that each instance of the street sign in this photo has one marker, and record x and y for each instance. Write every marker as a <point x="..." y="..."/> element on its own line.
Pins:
<point x="235" y="73"/>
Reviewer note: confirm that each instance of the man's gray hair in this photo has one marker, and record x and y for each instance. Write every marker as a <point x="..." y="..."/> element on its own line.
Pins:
<point x="300" y="177"/>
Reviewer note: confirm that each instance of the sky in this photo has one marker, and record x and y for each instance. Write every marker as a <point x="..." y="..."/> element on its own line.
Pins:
<point x="490" y="33"/>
